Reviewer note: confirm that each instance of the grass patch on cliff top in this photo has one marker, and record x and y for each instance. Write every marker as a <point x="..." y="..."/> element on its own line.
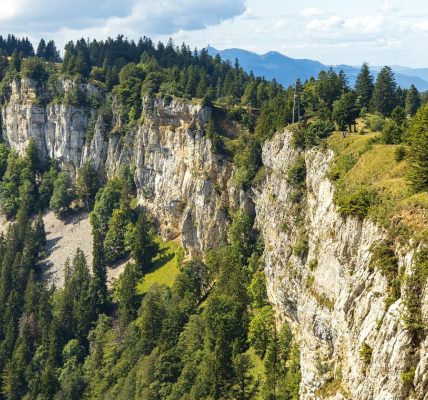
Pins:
<point x="363" y="162"/>
<point x="165" y="268"/>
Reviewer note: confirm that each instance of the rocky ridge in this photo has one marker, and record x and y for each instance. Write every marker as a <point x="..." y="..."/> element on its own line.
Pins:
<point x="327" y="289"/>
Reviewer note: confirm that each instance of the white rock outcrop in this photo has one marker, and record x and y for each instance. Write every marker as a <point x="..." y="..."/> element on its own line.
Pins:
<point x="335" y="301"/>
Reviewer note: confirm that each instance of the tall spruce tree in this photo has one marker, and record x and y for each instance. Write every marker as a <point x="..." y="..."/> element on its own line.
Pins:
<point x="418" y="137"/>
<point x="140" y="241"/>
<point x="364" y="87"/>
<point x="99" y="273"/>
<point x="413" y="100"/>
<point x="51" y="52"/>
<point x="41" y="49"/>
<point x="384" y="95"/>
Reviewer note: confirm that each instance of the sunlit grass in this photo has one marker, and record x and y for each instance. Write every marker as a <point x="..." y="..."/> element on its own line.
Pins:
<point x="258" y="369"/>
<point x="376" y="167"/>
<point x="165" y="268"/>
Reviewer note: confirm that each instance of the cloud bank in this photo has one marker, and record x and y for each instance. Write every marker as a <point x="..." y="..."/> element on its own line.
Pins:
<point x="146" y="16"/>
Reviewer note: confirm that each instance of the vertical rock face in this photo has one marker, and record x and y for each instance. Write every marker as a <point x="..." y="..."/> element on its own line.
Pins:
<point x="58" y="130"/>
<point x="329" y="292"/>
<point x="316" y="262"/>
<point x="187" y="187"/>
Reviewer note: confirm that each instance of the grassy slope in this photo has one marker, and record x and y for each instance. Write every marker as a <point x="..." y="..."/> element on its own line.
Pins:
<point x="165" y="268"/>
<point x="376" y="167"/>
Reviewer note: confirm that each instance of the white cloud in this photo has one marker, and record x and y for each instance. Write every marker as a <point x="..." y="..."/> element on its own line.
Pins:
<point x="367" y="24"/>
<point x="9" y="9"/>
<point x="36" y="15"/>
<point x="325" y="24"/>
<point x="421" y="25"/>
<point x="310" y="12"/>
<point x="164" y="16"/>
<point x="144" y="16"/>
<point x="281" y="24"/>
<point x="340" y="25"/>
<point x="389" y="6"/>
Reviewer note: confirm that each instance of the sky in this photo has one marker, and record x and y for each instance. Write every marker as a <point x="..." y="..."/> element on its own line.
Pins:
<point x="392" y="32"/>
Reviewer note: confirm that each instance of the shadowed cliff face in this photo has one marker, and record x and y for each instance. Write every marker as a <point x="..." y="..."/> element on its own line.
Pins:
<point x="316" y="262"/>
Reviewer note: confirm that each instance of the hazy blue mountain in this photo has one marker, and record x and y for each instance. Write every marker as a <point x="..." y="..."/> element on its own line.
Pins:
<point x="286" y="69"/>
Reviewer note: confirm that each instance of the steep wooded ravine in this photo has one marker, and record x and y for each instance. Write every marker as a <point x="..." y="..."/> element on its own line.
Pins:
<point x="317" y="262"/>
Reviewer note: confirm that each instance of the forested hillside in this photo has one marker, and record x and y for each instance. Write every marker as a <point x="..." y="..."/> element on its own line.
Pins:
<point x="209" y="333"/>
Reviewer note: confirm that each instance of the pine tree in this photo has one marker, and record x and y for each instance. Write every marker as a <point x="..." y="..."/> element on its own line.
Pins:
<point x="364" y="87"/>
<point x="41" y="49"/>
<point x="87" y="184"/>
<point x="140" y="241"/>
<point x="15" y="62"/>
<point x="32" y="157"/>
<point x="244" y="386"/>
<point x="99" y="273"/>
<point x="40" y="234"/>
<point x="330" y="86"/>
<point x="272" y="369"/>
<point x="63" y="193"/>
<point x="114" y="243"/>
<point x="418" y="137"/>
<point x="413" y="100"/>
<point x="401" y="95"/>
<point x="127" y="294"/>
<point x="83" y="309"/>
<point x="384" y="95"/>
<point x="345" y="112"/>
<point x="51" y="53"/>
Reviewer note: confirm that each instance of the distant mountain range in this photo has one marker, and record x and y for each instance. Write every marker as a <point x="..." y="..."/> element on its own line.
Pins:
<point x="286" y="69"/>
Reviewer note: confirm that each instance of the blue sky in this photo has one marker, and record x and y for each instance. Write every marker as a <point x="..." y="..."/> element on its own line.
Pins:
<point x="332" y="31"/>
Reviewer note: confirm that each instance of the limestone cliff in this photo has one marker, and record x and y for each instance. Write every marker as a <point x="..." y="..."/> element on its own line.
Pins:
<point x="179" y="178"/>
<point x="330" y="294"/>
<point x="317" y="263"/>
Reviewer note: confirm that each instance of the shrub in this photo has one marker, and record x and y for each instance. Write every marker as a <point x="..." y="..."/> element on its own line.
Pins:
<point x="384" y="258"/>
<point x="76" y="97"/>
<point x="296" y="174"/>
<point x="343" y="164"/>
<point x="34" y="68"/>
<point x="301" y="246"/>
<point x="414" y="287"/>
<point x="318" y="130"/>
<point x="400" y="153"/>
<point x="313" y="264"/>
<point x="312" y="135"/>
<point x="408" y="376"/>
<point x="298" y="139"/>
<point x="366" y="354"/>
<point x="356" y="202"/>
<point x="375" y="122"/>
<point x="392" y="133"/>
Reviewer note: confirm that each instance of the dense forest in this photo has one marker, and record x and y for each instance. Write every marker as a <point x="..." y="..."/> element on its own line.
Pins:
<point x="199" y="338"/>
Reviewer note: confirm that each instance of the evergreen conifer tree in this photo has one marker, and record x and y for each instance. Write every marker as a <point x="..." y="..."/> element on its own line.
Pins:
<point x="413" y="100"/>
<point x="364" y="87"/>
<point x="384" y="95"/>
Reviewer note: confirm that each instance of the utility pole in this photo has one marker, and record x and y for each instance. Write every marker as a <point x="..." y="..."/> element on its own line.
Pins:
<point x="296" y="101"/>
